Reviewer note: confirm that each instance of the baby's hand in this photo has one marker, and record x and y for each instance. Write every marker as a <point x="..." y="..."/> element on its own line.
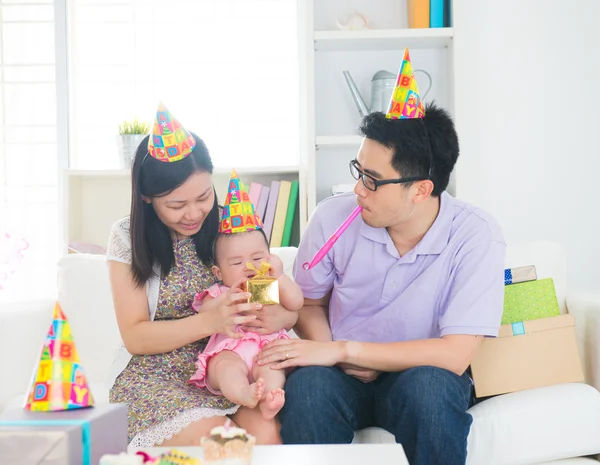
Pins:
<point x="276" y="266"/>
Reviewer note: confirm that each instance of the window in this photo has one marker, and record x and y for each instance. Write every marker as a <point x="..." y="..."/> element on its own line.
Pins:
<point x="226" y="69"/>
<point x="28" y="151"/>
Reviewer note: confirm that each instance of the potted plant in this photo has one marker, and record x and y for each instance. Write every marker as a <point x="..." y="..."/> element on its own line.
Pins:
<point x="130" y="135"/>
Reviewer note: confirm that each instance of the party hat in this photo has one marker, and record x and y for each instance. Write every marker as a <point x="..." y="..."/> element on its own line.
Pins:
<point x="238" y="212"/>
<point x="169" y="140"/>
<point x="59" y="382"/>
<point x="406" y="101"/>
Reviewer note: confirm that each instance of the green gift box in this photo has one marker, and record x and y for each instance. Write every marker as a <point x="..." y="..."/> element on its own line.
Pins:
<point x="530" y="301"/>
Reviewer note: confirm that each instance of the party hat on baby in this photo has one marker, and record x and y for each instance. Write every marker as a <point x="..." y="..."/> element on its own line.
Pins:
<point x="169" y="140"/>
<point x="238" y="212"/>
<point x="406" y="101"/>
<point x="59" y="382"/>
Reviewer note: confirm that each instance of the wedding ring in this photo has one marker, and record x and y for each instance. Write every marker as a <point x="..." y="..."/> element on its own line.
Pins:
<point x="287" y="355"/>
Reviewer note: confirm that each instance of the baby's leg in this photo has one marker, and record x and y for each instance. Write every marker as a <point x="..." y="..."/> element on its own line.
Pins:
<point x="274" y="396"/>
<point x="228" y="373"/>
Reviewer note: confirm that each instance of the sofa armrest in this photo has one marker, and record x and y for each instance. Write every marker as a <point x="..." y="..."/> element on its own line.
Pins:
<point x="586" y="310"/>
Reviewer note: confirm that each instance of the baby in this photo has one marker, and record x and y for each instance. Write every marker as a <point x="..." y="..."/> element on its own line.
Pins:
<point x="226" y="367"/>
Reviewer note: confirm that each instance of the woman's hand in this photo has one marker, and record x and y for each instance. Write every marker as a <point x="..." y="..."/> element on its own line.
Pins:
<point x="271" y="319"/>
<point x="284" y="353"/>
<point x="232" y="309"/>
<point x="366" y="375"/>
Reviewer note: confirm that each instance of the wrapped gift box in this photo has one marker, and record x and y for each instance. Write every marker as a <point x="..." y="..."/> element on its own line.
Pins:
<point x="527" y="355"/>
<point x="530" y="301"/>
<point x="70" y="437"/>
<point x="521" y="274"/>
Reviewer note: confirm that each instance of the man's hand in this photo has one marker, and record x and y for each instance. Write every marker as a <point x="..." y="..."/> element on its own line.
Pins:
<point x="285" y="353"/>
<point x="365" y="375"/>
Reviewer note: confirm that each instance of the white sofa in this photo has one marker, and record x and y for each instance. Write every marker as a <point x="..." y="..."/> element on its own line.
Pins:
<point x="531" y="427"/>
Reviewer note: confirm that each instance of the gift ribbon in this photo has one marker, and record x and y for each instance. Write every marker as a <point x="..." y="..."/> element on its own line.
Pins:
<point x="86" y="433"/>
<point x="508" y="277"/>
<point x="518" y="328"/>
<point x="260" y="272"/>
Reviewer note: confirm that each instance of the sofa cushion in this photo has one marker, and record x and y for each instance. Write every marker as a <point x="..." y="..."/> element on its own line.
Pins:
<point x="536" y="425"/>
<point x="527" y="427"/>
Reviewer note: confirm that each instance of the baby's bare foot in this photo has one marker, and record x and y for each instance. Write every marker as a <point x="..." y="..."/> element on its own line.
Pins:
<point x="272" y="403"/>
<point x="250" y="396"/>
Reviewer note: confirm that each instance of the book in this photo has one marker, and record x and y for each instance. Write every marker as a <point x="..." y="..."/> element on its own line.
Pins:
<point x="261" y="208"/>
<point x="290" y="214"/>
<point x="283" y="199"/>
<point x="418" y="13"/>
<point x="270" y="211"/>
<point x="436" y="13"/>
<point x="447" y="13"/>
<point x="254" y="194"/>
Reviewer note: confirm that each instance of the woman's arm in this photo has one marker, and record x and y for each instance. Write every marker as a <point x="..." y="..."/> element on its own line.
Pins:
<point x="140" y="335"/>
<point x="144" y="337"/>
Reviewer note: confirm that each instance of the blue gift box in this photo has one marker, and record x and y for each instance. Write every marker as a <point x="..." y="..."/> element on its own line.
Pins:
<point x="71" y="437"/>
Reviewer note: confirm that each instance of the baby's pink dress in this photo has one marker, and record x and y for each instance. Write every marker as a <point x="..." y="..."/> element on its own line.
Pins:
<point x="247" y="347"/>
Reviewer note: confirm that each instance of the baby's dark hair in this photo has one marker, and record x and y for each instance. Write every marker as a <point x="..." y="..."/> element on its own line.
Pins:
<point x="225" y="236"/>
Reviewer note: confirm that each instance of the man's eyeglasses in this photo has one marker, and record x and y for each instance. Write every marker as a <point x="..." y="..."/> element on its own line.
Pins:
<point x="372" y="184"/>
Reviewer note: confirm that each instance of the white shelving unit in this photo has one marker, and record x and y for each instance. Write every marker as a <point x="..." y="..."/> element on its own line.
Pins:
<point x="329" y="117"/>
<point x="384" y="39"/>
<point x="95" y="199"/>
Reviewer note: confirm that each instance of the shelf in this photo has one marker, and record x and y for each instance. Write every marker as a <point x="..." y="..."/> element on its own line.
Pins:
<point x="219" y="171"/>
<point x="338" y="141"/>
<point x="99" y="173"/>
<point x="383" y="39"/>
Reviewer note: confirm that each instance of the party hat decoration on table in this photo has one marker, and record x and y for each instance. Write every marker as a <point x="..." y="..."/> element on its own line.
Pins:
<point x="58" y="382"/>
<point x="238" y="212"/>
<point x="169" y="140"/>
<point x="406" y="101"/>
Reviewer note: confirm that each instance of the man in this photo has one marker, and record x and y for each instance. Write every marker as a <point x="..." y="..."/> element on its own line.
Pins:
<point x="398" y="307"/>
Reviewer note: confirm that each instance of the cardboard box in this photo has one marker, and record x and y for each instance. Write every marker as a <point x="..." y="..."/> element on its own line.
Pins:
<point x="70" y="437"/>
<point x="528" y="355"/>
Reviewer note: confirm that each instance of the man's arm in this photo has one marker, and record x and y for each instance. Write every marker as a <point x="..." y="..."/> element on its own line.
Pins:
<point x="312" y="320"/>
<point x="453" y="352"/>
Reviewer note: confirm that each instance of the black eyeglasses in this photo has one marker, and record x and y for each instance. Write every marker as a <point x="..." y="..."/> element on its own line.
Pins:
<point x="372" y="184"/>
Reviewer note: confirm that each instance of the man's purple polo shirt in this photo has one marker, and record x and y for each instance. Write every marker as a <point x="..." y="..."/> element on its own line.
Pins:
<point x="452" y="282"/>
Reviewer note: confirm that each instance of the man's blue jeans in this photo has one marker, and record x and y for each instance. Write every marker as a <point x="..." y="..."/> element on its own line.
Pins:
<point x="424" y="407"/>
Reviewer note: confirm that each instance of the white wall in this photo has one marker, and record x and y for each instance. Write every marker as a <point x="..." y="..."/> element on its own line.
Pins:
<point x="528" y="114"/>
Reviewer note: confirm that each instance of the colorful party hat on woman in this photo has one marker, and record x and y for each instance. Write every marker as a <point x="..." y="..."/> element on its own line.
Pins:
<point x="59" y="382"/>
<point x="406" y="101"/>
<point x="169" y="140"/>
<point x="238" y="212"/>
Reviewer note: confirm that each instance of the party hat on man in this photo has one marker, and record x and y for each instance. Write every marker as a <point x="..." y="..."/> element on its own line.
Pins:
<point x="59" y="382"/>
<point x="238" y="212"/>
<point x="169" y="140"/>
<point x="406" y="101"/>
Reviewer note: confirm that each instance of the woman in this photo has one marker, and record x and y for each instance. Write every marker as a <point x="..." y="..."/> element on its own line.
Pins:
<point x="158" y="258"/>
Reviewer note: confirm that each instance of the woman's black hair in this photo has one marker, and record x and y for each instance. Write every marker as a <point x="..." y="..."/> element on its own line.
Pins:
<point x="151" y="241"/>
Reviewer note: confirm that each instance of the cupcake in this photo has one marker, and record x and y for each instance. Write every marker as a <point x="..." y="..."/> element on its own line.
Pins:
<point x="228" y="445"/>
